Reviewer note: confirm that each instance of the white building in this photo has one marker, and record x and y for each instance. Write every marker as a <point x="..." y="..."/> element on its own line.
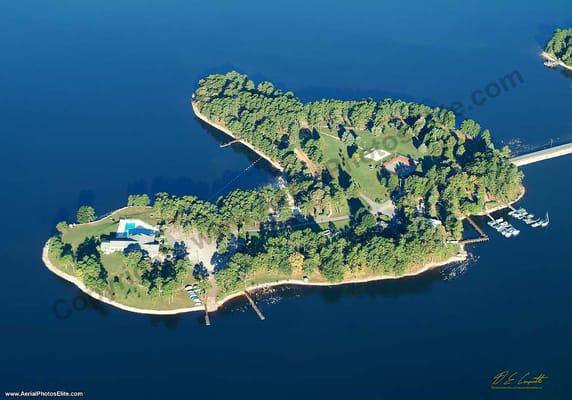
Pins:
<point x="133" y="234"/>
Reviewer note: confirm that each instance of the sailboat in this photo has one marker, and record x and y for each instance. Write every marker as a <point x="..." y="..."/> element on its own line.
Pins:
<point x="545" y="221"/>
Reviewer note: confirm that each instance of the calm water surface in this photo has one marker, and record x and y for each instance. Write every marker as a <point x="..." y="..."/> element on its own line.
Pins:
<point x="94" y="103"/>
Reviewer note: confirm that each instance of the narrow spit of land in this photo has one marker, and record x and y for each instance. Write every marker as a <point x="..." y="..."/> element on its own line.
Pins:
<point x="223" y="129"/>
<point x="550" y="58"/>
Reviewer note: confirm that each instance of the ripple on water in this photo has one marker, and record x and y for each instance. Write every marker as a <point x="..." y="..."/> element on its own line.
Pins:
<point x="458" y="269"/>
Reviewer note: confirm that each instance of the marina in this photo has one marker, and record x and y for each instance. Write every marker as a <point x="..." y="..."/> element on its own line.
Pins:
<point x="506" y="229"/>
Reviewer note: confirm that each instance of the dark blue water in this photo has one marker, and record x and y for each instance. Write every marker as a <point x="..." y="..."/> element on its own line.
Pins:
<point x="94" y="106"/>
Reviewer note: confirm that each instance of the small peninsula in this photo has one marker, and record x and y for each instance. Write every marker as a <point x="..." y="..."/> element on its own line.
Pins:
<point x="368" y="189"/>
<point x="558" y="50"/>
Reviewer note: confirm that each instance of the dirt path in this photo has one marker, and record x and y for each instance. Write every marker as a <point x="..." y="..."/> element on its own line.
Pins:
<point x="332" y="136"/>
<point x="314" y="169"/>
<point x="200" y="249"/>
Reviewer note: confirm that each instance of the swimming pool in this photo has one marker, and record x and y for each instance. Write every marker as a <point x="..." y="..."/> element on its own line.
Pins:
<point x="128" y="228"/>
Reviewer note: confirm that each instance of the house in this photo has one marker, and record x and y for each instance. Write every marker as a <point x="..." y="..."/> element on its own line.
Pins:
<point x="400" y="165"/>
<point x="133" y="234"/>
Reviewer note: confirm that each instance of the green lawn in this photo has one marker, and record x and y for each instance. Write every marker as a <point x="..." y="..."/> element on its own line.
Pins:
<point x="79" y="233"/>
<point x="338" y="224"/>
<point x="127" y="290"/>
<point x="357" y="167"/>
<point x="361" y="169"/>
<point x="130" y="292"/>
<point x="390" y="140"/>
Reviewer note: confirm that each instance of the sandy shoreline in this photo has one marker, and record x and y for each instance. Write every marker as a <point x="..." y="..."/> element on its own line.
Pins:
<point x="552" y="58"/>
<point x="97" y="296"/>
<point x="461" y="256"/>
<point x="223" y="129"/>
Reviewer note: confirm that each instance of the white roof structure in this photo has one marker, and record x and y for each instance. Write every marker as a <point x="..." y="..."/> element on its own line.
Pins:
<point x="133" y="234"/>
<point x="377" y="155"/>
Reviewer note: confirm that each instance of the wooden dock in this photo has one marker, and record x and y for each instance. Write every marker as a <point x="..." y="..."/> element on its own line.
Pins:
<point x="207" y="318"/>
<point x="254" y="306"/>
<point x="475" y="240"/>
<point x="483" y="237"/>
<point x="229" y="143"/>
<point x="477" y="227"/>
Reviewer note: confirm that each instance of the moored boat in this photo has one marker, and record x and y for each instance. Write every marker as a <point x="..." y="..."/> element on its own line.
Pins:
<point x="544" y="223"/>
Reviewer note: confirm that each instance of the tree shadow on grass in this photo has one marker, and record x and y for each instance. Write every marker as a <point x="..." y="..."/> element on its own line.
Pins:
<point x="88" y="248"/>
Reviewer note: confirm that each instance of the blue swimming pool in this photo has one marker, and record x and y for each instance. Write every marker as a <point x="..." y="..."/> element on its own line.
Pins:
<point x="134" y="228"/>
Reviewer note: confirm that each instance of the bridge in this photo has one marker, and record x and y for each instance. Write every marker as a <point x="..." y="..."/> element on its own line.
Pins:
<point x="541" y="155"/>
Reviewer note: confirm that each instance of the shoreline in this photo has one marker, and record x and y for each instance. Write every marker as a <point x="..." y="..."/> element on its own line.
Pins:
<point x="560" y="63"/>
<point x="501" y="206"/>
<point x="462" y="255"/>
<point x="102" y="298"/>
<point x="225" y="130"/>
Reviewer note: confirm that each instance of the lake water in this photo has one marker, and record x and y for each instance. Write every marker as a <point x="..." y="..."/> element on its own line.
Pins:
<point x="94" y="100"/>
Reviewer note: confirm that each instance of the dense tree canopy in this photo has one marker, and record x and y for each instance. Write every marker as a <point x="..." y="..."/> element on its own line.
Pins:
<point x="455" y="171"/>
<point x="560" y="45"/>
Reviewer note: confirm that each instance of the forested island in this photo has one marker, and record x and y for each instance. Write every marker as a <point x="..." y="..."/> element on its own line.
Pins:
<point x="559" y="48"/>
<point x="367" y="189"/>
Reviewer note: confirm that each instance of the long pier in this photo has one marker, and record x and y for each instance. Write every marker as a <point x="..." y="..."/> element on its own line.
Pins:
<point x="254" y="306"/>
<point x="541" y="155"/>
<point x="483" y="237"/>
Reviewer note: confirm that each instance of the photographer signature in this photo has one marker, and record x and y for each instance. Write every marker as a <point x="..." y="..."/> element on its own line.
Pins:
<point x="517" y="380"/>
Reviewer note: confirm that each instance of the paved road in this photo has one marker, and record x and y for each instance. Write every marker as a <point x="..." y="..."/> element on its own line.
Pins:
<point x="541" y="155"/>
<point x="386" y="207"/>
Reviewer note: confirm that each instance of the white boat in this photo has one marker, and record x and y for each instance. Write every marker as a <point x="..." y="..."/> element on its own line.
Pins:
<point x="544" y="223"/>
<point x="531" y="220"/>
<point x="521" y="213"/>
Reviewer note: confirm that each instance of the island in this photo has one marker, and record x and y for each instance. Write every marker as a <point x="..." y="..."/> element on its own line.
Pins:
<point x="366" y="190"/>
<point x="558" y="50"/>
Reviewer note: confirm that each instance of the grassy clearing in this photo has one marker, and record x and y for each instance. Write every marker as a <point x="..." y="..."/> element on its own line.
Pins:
<point x="390" y="140"/>
<point x="124" y="283"/>
<point x="362" y="170"/>
<point x="126" y="289"/>
<point x="107" y="226"/>
<point x="338" y="224"/>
